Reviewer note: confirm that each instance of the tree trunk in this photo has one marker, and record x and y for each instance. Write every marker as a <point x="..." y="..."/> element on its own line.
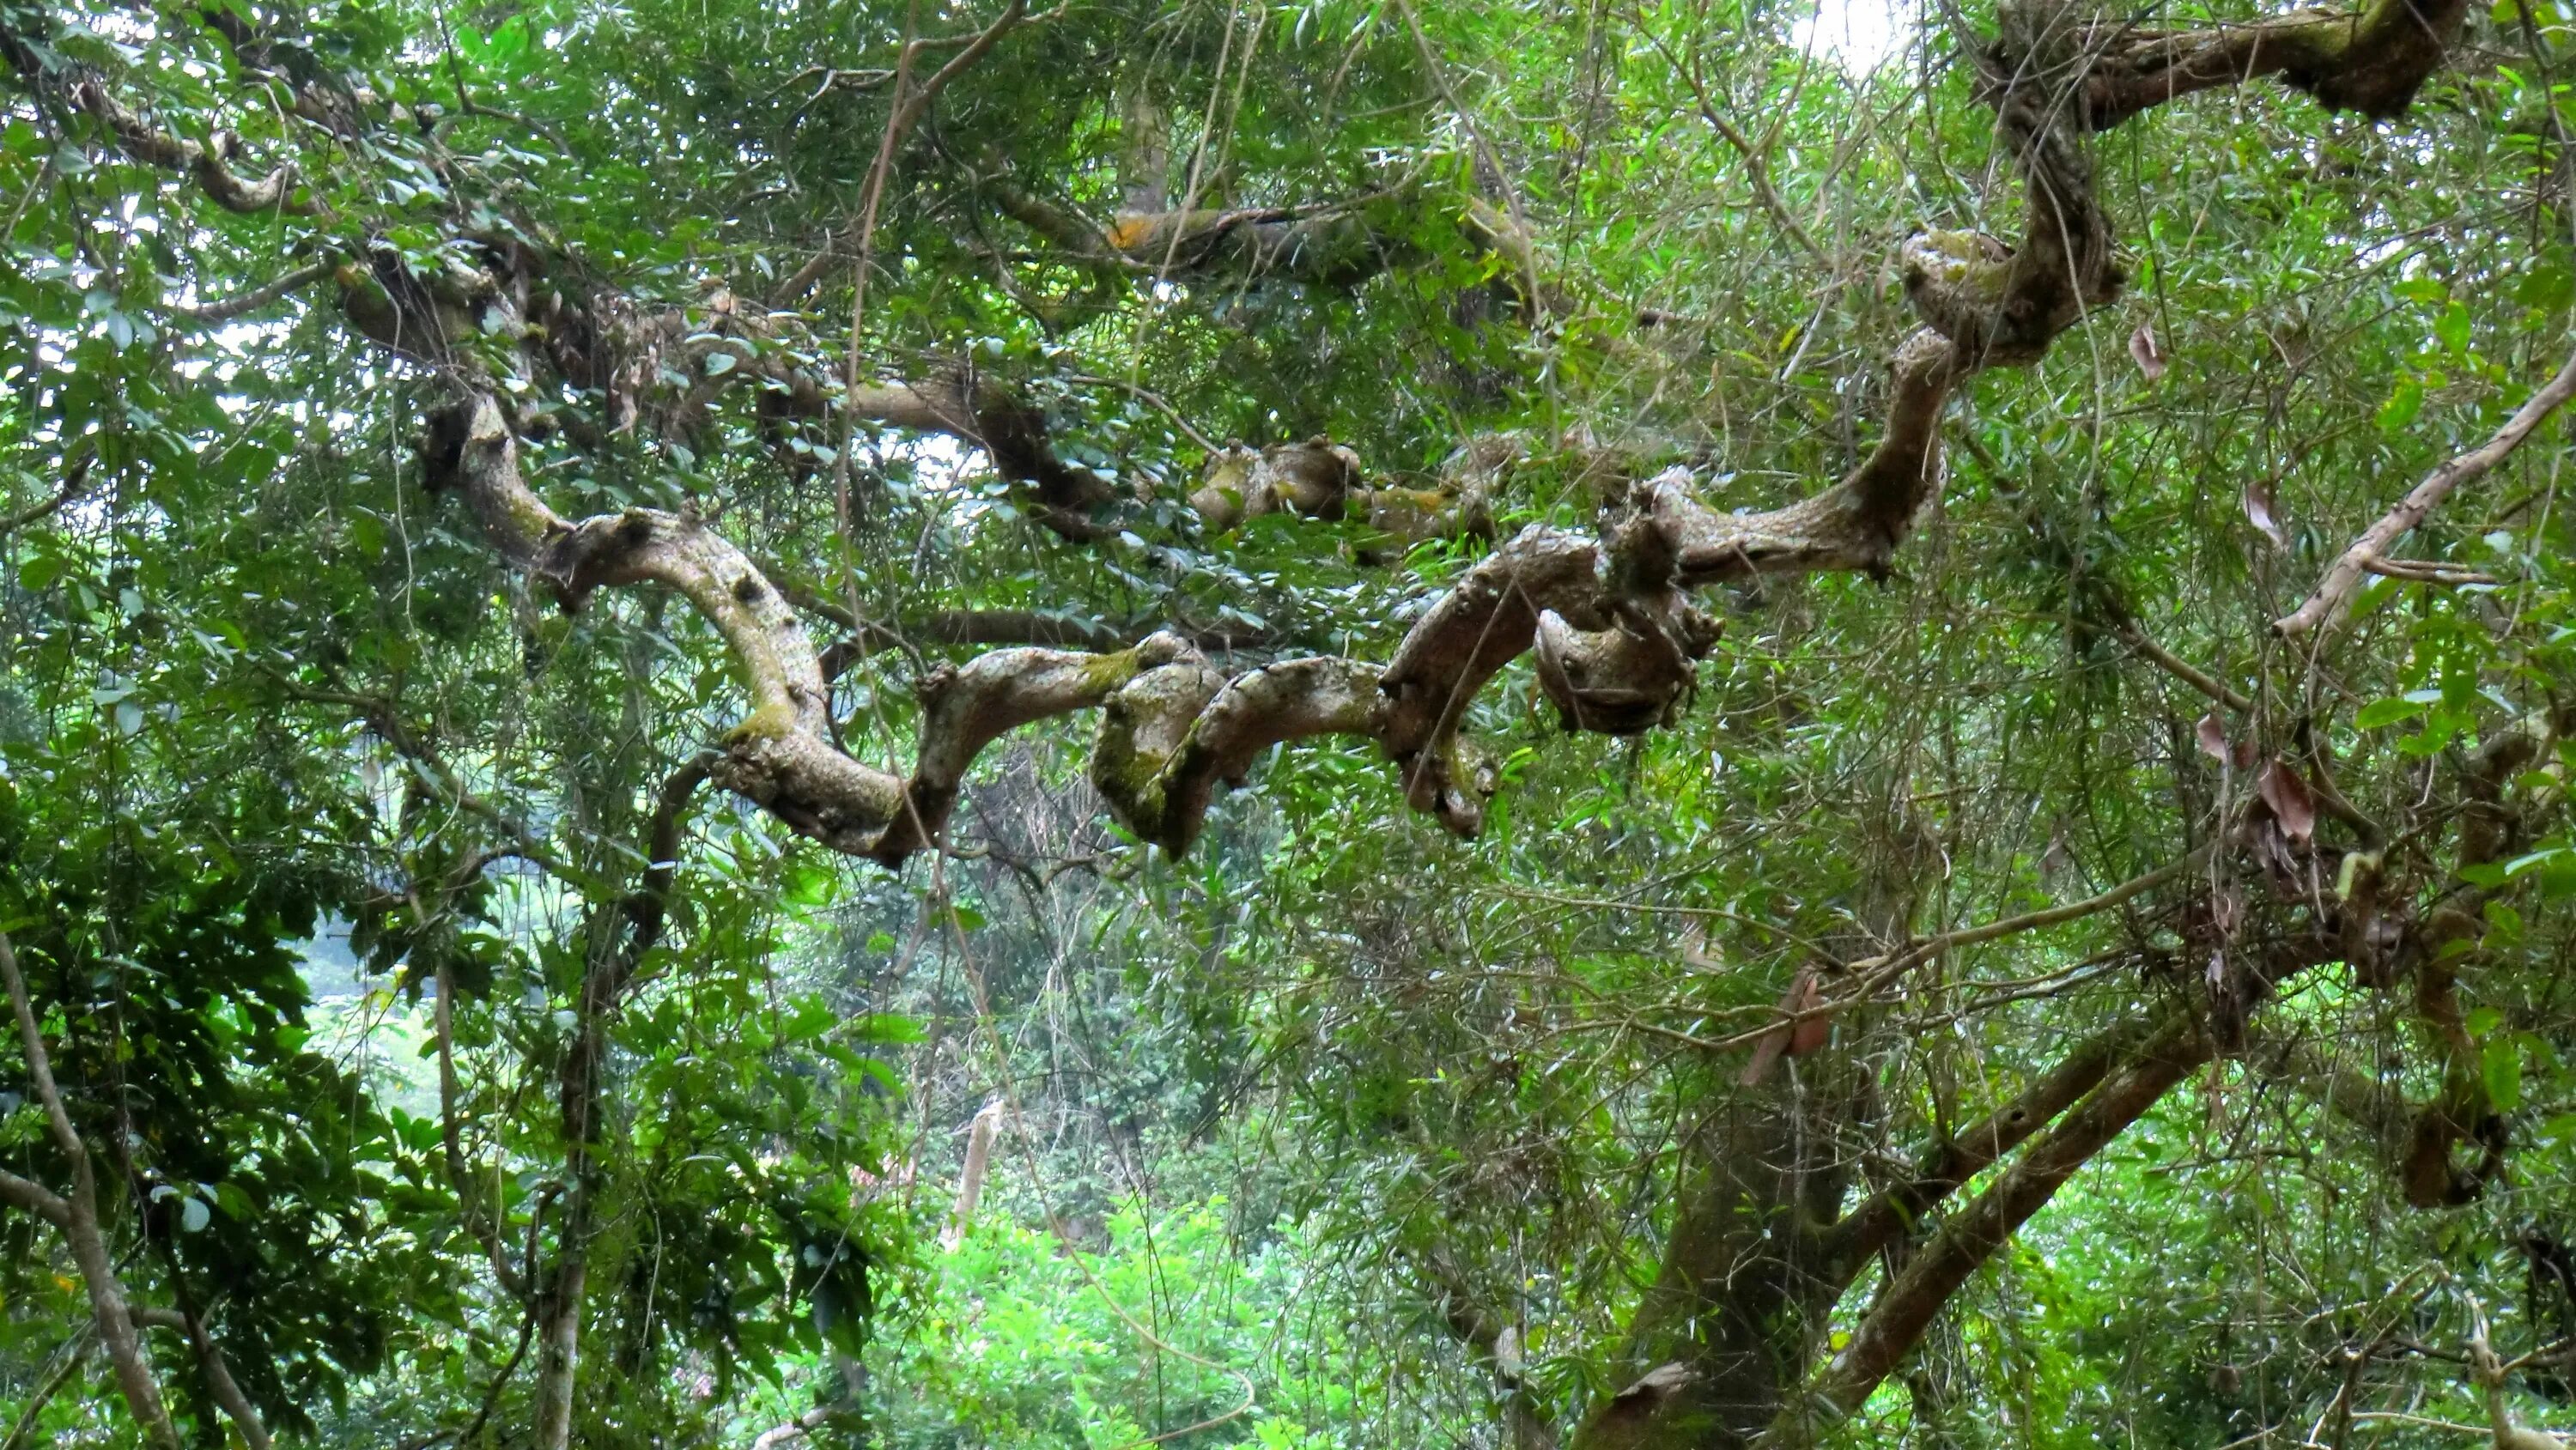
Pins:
<point x="1732" y="1321"/>
<point x="77" y="1217"/>
<point x="559" y="1329"/>
<point x="560" y="1336"/>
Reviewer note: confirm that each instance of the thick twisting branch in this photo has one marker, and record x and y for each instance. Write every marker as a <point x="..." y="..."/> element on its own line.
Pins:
<point x="1615" y="630"/>
<point x="212" y="1365"/>
<point x="209" y="164"/>
<point x="1330" y="244"/>
<point x="1906" y="1306"/>
<point x="1611" y="619"/>
<point x="1889" y="1215"/>
<point x="780" y="755"/>
<point x="2370" y="59"/>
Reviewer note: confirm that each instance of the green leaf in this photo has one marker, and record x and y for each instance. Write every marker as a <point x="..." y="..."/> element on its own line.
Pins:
<point x="2404" y="402"/>
<point x="2452" y="328"/>
<point x="808" y="885"/>
<point x="2547" y="287"/>
<point x="2541" y="857"/>
<point x="2504" y="924"/>
<point x="2387" y="712"/>
<point x="2502" y="1068"/>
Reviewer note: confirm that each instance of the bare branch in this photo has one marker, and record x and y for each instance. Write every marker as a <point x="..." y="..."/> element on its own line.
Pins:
<point x="2182" y="669"/>
<point x="29" y="1196"/>
<point x="1895" y="1210"/>
<point x="210" y="1362"/>
<point x="2325" y="607"/>
<point x="243" y="303"/>
<point x="210" y="166"/>
<point x="1906" y="1306"/>
<point x="75" y="487"/>
<point x="2370" y="59"/>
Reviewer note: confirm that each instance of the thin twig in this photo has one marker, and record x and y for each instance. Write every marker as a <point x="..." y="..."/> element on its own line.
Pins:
<point x="20" y="1434"/>
<point x="75" y="486"/>
<point x="2182" y="669"/>
<point x="1888" y="966"/>
<point x="1158" y="402"/>
<point x="907" y="114"/>
<point x="1757" y="168"/>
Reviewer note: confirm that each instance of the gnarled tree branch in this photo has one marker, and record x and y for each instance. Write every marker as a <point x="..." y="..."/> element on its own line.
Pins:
<point x="2370" y="59"/>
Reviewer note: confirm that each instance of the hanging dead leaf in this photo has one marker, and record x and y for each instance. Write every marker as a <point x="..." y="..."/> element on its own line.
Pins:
<point x="2056" y="861"/>
<point x="2212" y="733"/>
<point x="2226" y="909"/>
<point x="1658" y="1385"/>
<point x="2142" y="346"/>
<point x="2259" y="509"/>
<point x="2286" y="792"/>
<point x="2226" y="1005"/>
<point x="1808" y="1033"/>
<point x="1793" y="1038"/>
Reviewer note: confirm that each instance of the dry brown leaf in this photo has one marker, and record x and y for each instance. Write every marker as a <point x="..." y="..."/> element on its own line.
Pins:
<point x="2142" y="346"/>
<point x="2286" y="792"/>
<point x="1790" y="1038"/>
<point x="2212" y="733"/>
<point x="2259" y="508"/>
<point x="1810" y="1033"/>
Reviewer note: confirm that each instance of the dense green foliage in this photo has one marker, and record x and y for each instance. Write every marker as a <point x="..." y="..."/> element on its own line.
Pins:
<point x="413" y="993"/>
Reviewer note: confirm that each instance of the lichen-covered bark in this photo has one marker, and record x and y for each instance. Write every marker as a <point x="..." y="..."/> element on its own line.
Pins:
<point x="2371" y="59"/>
<point x="1616" y="634"/>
